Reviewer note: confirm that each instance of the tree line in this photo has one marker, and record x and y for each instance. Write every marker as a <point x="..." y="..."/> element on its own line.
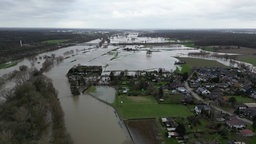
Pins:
<point x="35" y="41"/>
<point x="208" y="37"/>
<point x="32" y="114"/>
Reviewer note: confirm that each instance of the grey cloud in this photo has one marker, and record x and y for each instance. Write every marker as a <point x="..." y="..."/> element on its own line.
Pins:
<point x="128" y="13"/>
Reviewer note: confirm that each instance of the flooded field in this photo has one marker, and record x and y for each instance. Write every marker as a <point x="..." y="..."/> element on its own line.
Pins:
<point x="105" y="93"/>
<point x="87" y="119"/>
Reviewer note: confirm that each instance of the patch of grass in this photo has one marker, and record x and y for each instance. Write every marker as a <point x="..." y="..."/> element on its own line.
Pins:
<point x="197" y="63"/>
<point x="115" y="56"/>
<point x="92" y="89"/>
<point x="173" y="99"/>
<point x="251" y="60"/>
<point x="7" y="65"/>
<point x="131" y="109"/>
<point x="253" y="140"/>
<point x="210" y="49"/>
<point x="185" y="68"/>
<point x="55" y="41"/>
<point x="189" y="44"/>
<point x="242" y="99"/>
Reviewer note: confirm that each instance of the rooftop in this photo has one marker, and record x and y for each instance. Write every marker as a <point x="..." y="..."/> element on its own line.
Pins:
<point x="250" y="104"/>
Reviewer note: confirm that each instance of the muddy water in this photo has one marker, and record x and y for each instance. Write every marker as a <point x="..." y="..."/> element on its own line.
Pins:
<point x="107" y="94"/>
<point x="88" y="120"/>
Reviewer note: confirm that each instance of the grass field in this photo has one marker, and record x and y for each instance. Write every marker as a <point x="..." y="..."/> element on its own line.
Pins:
<point x="92" y="89"/>
<point x="242" y="99"/>
<point x="189" y="44"/>
<point x="7" y="65"/>
<point x="196" y="63"/>
<point x="192" y="44"/>
<point x="210" y="49"/>
<point x="147" y="107"/>
<point x="251" y="60"/>
<point x="55" y="41"/>
<point x="185" y="68"/>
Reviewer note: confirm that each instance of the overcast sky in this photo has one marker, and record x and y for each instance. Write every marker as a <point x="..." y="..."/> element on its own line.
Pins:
<point x="134" y="14"/>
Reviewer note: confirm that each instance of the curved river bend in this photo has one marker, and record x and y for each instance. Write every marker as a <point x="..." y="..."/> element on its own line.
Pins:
<point x="88" y="120"/>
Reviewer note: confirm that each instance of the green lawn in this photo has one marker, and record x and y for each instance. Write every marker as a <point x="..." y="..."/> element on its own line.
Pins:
<point x="185" y="68"/>
<point x="189" y="44"/>
<point x="173" y="98"/>
<point x="192" y="44"/>
<point x="7" y="65"/>
<point x="147" y="107"/>
<point x="253" y="140"/>
<point x="194" y="62"/>
<point x="243" y="99"/>
<point x="251" y="60"/>
<point x="208" y="49"/>
<point x="55" y="41"/>
<point x="92" y="89"/>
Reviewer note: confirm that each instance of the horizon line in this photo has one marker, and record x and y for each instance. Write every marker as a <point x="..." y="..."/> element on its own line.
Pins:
<point x="128" y="28"/>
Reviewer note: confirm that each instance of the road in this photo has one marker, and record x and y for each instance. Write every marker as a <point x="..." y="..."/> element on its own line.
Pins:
<point x="196" y="96"/>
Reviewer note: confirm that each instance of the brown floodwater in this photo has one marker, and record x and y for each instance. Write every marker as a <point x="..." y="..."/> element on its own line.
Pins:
<point x="88" y="120"/>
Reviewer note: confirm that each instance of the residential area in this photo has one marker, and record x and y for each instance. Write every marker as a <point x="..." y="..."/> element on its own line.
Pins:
<point x="208" y="105"/>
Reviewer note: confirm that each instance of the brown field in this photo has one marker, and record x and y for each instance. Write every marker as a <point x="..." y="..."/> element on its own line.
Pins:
<point x="144" y="131"/>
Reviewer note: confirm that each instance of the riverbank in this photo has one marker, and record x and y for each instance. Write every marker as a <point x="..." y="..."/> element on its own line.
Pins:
<point x="8" y="64"/>
<point x="32" y="114"/>
<point x="94" y="93"/>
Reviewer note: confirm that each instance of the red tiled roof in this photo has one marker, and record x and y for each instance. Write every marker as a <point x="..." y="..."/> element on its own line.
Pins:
<point x="235" y="121"/>
<point x="246" y="132"/>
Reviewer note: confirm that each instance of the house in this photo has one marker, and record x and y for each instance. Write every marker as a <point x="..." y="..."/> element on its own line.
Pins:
<point x="247" y="133"/>
<point x="223" y="85"/>
<point x="250" y="112"/>
<point x="172" y="134"/>
<point x="216" y="93"/>
<point x="235" y="123"/>
<point x="235" y="142"/>
<point x="210" y="86"/>
<point x="203" y="91"/>
<point x="193" y="84"/>
<point x="169" y="122"/>
<point x="241" y="107"/>
<point x="253" y="95"/>
<point x="182" y="90"/>
<point x="250" y="105"/>
<point x="171" y="129"/>
<point x="164" y="120"/>
<point x="199" y="108"/>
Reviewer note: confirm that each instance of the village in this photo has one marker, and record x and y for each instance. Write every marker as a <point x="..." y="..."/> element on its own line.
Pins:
<point x="207" y="105"/>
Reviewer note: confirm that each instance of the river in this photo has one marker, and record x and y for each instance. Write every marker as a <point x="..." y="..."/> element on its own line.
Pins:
<point x="88" y="120"/>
